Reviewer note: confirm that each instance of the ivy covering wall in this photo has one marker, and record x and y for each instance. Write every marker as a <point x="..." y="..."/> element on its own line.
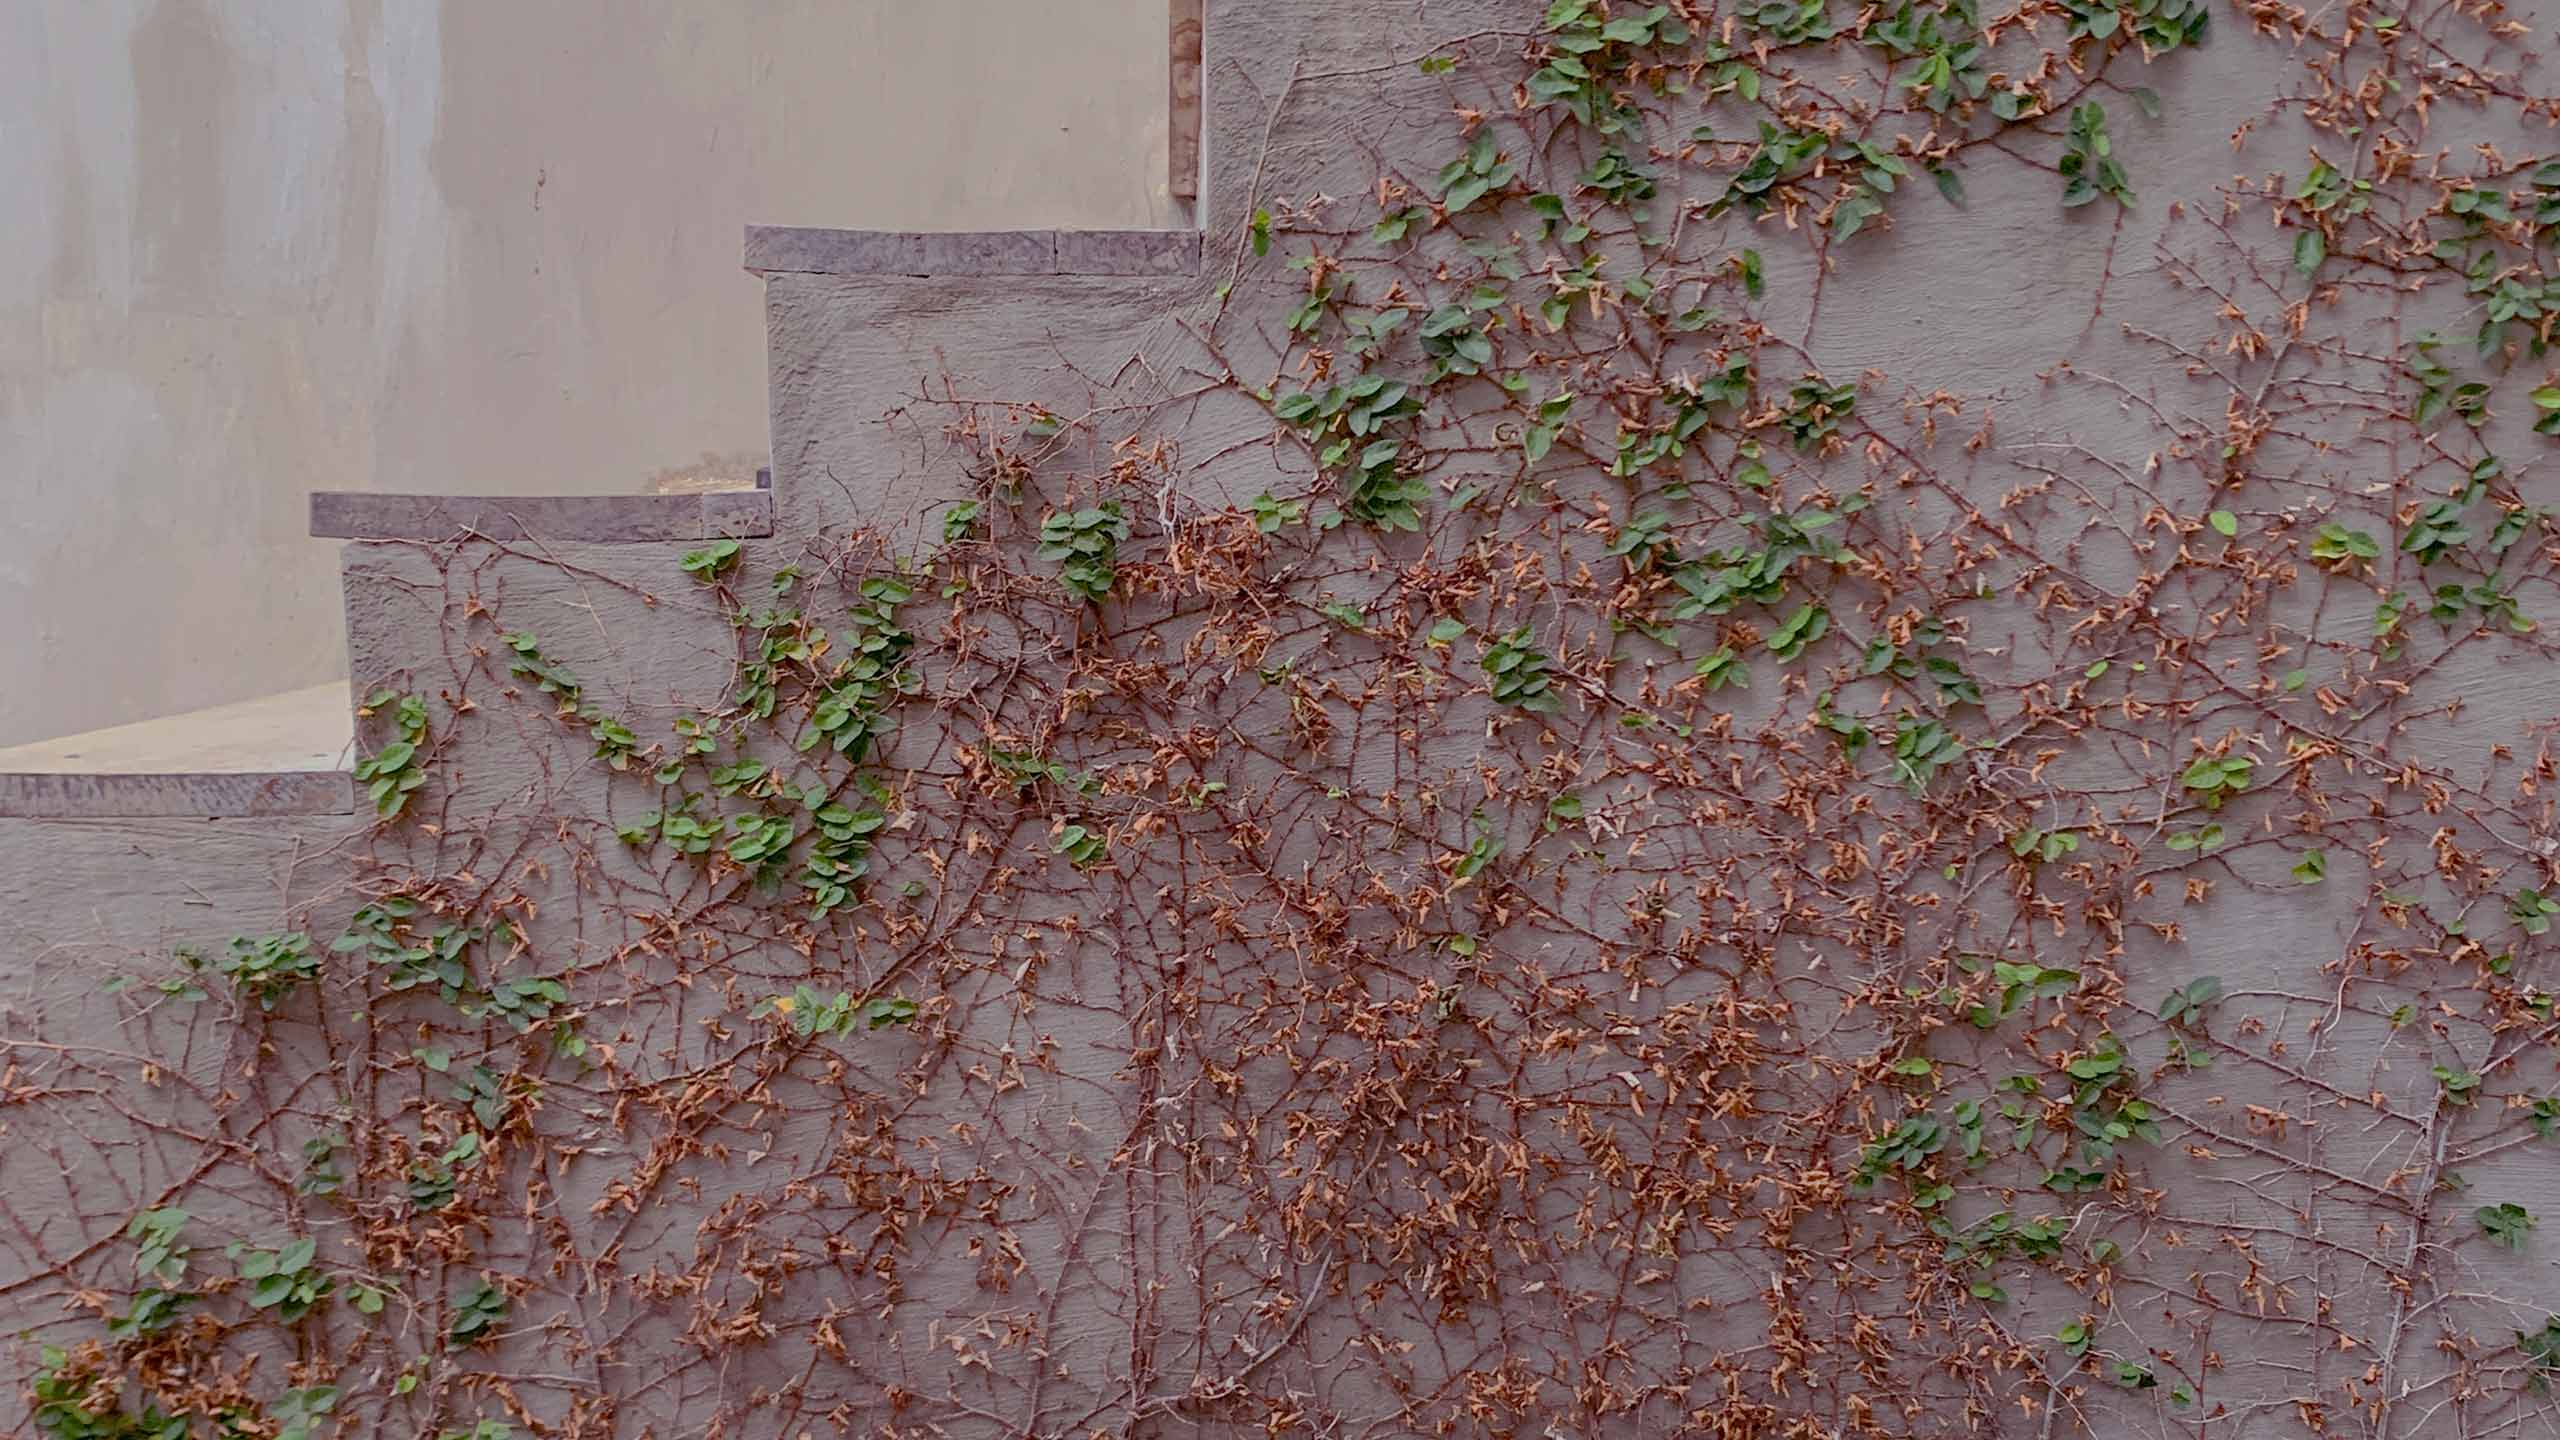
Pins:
<point x="1767" y="721"/>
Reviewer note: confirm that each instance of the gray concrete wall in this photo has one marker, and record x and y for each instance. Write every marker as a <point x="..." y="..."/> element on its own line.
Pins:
<point x="1097" y="1189"/>
<point x="256" y="248"/>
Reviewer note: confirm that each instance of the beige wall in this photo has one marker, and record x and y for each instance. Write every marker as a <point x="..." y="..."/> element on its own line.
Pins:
<point x="254" y="248"/>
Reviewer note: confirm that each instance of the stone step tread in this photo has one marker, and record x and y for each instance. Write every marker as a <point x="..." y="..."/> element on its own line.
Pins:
<point x="282" y="754"/>
<point x="806" y="250"/>
<point x="568" y="519"/>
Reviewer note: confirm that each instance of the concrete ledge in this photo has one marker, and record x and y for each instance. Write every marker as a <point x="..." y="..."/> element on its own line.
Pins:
<point x="101" y="797"/>
<point x="289" y="732"/>
<point x="794" y="250"/>
<point x="588" y="519"/>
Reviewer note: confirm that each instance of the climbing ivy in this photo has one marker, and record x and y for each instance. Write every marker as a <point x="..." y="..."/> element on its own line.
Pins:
<point x="1656" y="876"/>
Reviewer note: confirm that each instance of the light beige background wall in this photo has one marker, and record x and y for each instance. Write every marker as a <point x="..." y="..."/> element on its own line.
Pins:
<point x="253" y="248"/>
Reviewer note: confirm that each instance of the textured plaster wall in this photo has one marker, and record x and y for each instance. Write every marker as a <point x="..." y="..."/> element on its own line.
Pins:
<point x="260" y="247"/>
<point x="1984" y="300"/>
<point x="1989" y="298"/>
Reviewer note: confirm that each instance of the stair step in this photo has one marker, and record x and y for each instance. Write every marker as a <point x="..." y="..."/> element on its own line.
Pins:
<point x="202" y="793"/>
<point x="571" y="519"/>
<point x="283" y="754"/>
<point x="802" y="250"/>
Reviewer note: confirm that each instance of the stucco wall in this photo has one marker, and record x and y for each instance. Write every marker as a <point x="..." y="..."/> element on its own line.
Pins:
<point x="1225" y="1133"/>
<point x="260" y="247"/>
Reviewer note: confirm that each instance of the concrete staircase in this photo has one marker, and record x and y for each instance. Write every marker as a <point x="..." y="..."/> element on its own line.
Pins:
<point x="115" y="860"/>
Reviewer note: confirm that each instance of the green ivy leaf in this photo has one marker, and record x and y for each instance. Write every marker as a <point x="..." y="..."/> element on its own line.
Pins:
<point x="2505" y="1224"/>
